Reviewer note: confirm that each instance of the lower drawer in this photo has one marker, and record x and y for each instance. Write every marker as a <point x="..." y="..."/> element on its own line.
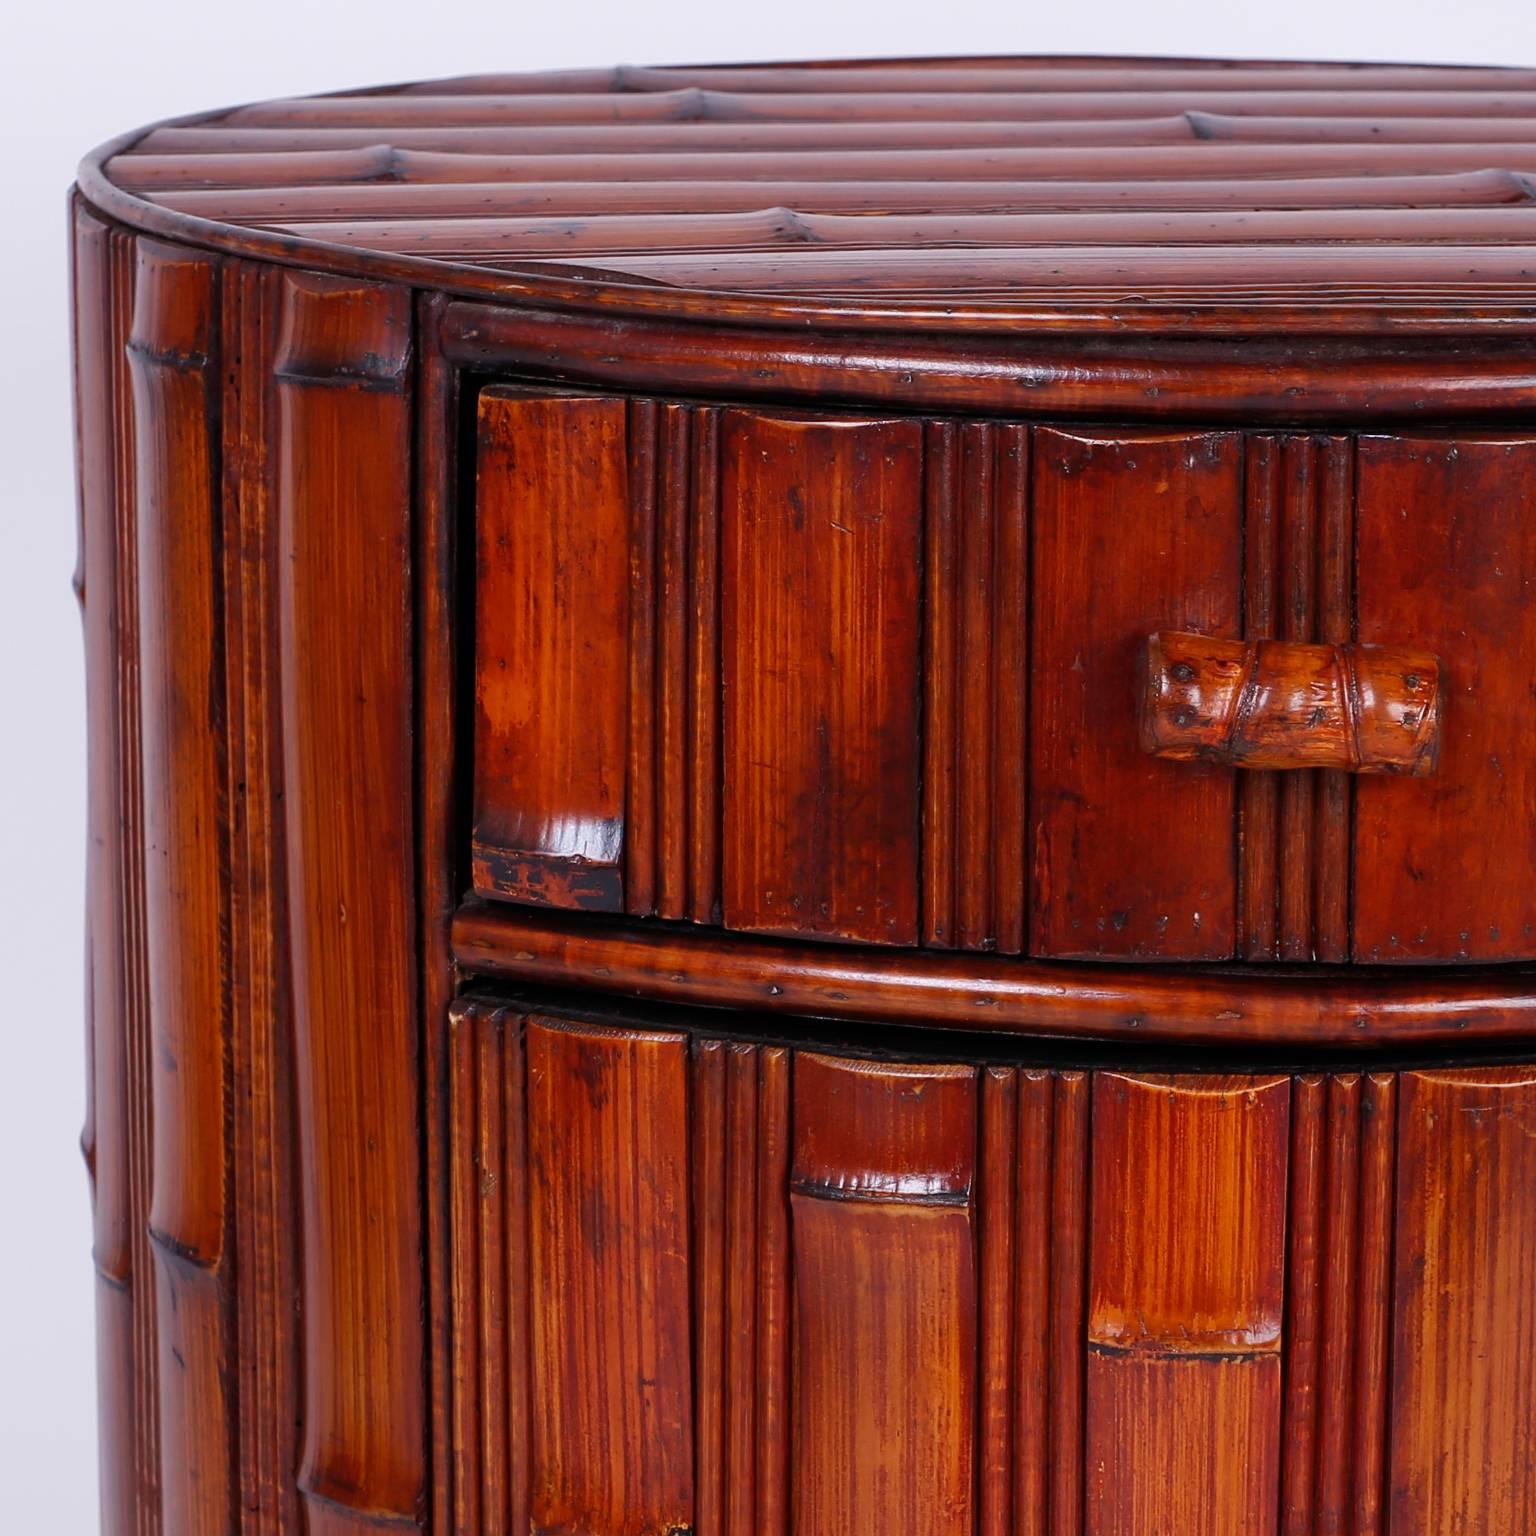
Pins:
<point x="710" y="1285"/>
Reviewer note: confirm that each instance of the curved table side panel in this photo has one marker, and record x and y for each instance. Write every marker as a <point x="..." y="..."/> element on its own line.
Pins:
<point x="246" y="504"/>
<point x="172" y="350"/>
<point x="342" y="371"/>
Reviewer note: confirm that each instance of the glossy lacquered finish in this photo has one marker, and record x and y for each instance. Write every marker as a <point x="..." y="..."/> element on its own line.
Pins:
<point x="1226" y="1006"/>
<point x="1275" y="704"/>
<point x="253" y="817"/>
<point x="863" y="676"/>
<point x="811" y="803"/>
<point x="931" y="1294"/>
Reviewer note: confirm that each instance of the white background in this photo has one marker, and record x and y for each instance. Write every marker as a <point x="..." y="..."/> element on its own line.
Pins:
<point x="81" y="72"/>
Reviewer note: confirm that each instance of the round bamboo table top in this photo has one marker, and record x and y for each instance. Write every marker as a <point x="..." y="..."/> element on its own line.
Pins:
<point x="1032" y="191"/>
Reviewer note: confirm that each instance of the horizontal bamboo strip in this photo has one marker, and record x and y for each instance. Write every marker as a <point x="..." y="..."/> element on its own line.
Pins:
<point x="994" y="74"/>
<point x="841" y="133"/>
<point x="1247" y="268"/>
<point x="403" y="200"/>
<point x="927" y="107"/>
<point x="783" y="227"/>
<point x="1255" y="128"/>
<point x="461" y="149"/>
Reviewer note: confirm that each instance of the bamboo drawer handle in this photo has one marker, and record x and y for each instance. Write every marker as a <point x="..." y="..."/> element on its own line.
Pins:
<point x="1279" y="704"/>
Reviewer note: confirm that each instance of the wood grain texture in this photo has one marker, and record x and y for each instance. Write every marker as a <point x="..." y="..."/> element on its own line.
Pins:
<point x="776" y="1362"/>
<point x="608" y="1254"/>
<point x="1338" y="1302"/>
<point x="997" y="1204"/>
<point x="1333" y="803"/>
<point x="552" y="646"/>
<point x="1297" y="601"/>
<point x="1185" y="1303"/>
<point x="1190" y="1254"/>
<point x="146" y="1429"/>
<point x="342" y="489"/>
<point x="672" y="846"/>
<point x="672" y="657"/>
<point x="489" y="1399"/>
<point x="1378" y="1168"/>
<point x="1260" y="871"/>
<point x="820" y="541"/>
<point x="707" y="1102"/>
<point x="1298" y="555"/>
<point x="1197" y="1270"/>
<point x="885" y="1299"/>
<point x="740" y="1288"/>
<point x="701" y="691"/>
<point x="1340" y="1299"/>
<point x="1306" y="1244"/>
<point x="597" y="741"/>
<point x="1463" y="1385"/>
<point x="1068" y="1246"/>
<point x="636" y="662"/>
<point x="1285" y="705"/>
<point x="442" y="828"/>
<point x="1031" y="1399"/>
<point x="470" y="1286"/>
<point x="173" y="350"/>
<point x="1456" y="889"/>
<point x="262" y="1129"/>
<point x="1132" y="532"/>
<point x="975" y="678"/>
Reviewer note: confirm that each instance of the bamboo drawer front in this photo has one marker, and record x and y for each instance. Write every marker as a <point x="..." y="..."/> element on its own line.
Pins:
<point x="876" y="678"/>
<point x="811" y="799"/>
